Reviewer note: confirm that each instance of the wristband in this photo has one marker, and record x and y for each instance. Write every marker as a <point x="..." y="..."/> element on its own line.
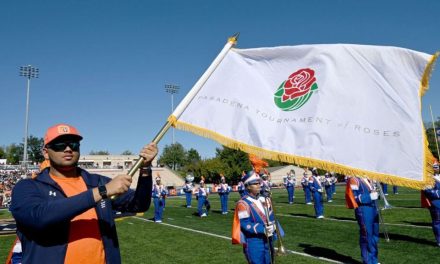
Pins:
<point x="102" y="191"/>
<point x="146" y="171"/>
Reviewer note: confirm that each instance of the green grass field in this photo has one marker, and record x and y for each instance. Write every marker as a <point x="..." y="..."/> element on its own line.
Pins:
<point x="185" y="238"/>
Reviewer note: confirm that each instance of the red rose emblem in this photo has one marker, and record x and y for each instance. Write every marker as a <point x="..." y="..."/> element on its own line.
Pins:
<point x="298" y="84"/>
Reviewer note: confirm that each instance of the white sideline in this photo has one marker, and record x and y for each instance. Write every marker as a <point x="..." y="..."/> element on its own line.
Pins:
<point x="336" y="220"/>
<point x="228" y="238"/>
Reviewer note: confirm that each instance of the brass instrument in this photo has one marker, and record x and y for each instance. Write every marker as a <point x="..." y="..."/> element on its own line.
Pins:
<point x="281" y="250"/>
<point x="387" y="205"/>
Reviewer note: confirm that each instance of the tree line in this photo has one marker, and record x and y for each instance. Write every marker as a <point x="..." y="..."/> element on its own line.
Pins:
<point x="230" y="162"/>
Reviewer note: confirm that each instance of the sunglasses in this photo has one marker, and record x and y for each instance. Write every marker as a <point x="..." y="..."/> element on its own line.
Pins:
<point x="61" y="146"/>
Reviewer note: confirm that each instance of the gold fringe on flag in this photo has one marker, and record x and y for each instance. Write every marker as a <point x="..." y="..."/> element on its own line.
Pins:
<point x="424" y="84"/>
<point x="310" y="162"/>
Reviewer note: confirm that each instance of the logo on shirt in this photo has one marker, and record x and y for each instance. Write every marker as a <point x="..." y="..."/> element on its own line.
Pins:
<point x="52" y="193"/>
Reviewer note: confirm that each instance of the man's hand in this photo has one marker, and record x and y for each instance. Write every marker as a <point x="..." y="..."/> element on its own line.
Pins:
<point x="269" y="230"/>
<point x="148" y="152"/>
<point x="374" y="195"/>
<point x="118" y="185"/>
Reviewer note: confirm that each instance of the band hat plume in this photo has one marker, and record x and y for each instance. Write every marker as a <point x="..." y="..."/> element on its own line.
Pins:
<point x="257" y="164"/>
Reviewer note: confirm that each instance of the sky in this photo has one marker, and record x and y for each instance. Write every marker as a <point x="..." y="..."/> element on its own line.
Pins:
<point x="104" y="64"/>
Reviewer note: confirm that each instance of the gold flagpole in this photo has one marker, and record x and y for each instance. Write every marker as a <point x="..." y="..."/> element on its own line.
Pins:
<point x="435" y="132"/>
<point x="188" y="98"/>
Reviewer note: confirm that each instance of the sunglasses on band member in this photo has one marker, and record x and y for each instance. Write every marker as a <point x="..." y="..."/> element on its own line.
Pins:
<point x="61" y="146"/>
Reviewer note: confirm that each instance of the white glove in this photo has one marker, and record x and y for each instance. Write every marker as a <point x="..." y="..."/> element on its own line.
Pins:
<point x="374" y="196"/>
<point x="269" y="230"/>
<point x="320" y="190"/>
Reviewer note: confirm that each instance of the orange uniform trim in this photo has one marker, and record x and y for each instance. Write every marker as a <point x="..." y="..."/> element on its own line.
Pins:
<point x="8" y="259"/>
<point x="425" y="202"/>
<point x="350" y="201"/>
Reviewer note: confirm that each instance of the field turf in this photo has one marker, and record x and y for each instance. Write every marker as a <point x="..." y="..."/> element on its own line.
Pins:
<point x="183" y="237"/>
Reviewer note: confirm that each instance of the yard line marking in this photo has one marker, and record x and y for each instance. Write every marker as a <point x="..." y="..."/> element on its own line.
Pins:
<point x="184" y="228"/>
<point x="354" y="221"/>
<point x="228" y="238"/>
<point x="341" y="205"/>
<point x="331" y="219"/>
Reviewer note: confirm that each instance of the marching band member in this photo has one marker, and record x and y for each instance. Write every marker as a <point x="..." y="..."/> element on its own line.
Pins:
<point x="360" y="194"/>
<point x="306" y="189"/>
<point x="265" y="186"/>
<point x="254" y="224"/>
<point x="241" y="189"/>
<point x="395" y="190"/>
<point x="202" y="200"/>
<point x="334" y="181"/>
<point x="223" y="192"/>
<point x="289" y="183"/>
<point x="158" y="193"/>
<point x="316" y="189"/>
<point x="188" y="190"/>
<point x="384" y="188"/>
<point x="328" y="187"/>
<point x="432" y="202"/>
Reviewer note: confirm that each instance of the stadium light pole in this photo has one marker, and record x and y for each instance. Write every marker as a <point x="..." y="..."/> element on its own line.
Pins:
<point x="28" y="72"/>
<point x="172" y="89"/>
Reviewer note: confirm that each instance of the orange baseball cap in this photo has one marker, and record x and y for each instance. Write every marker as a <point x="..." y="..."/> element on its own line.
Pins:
<point x="60" y="130"/>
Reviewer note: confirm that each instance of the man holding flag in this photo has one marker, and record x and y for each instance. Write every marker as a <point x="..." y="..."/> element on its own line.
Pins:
<point x="65" y="214"/>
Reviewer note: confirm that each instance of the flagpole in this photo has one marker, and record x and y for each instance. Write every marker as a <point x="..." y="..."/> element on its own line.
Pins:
<point x="188" y="98"/>
<point x="435" y="132"/>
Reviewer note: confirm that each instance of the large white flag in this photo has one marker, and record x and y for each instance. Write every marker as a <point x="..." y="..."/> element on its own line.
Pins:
<point x="352" y="109"/>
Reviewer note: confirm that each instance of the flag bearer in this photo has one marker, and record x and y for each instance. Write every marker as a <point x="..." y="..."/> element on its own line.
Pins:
<point x="289" y="183"/>
<point x="254" y="223"/>
<point x="316" y="189"/>
<point x="361" y="195"/>
<point x="306" y="189"/>
<point x="433" y="203"/>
